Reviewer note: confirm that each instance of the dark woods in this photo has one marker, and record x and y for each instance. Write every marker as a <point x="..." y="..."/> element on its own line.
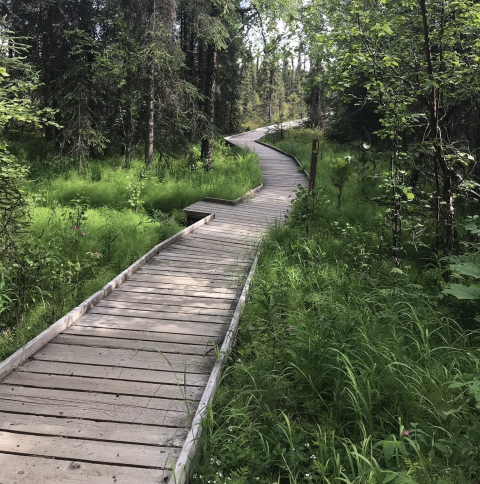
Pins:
<point x="156" y="73"/>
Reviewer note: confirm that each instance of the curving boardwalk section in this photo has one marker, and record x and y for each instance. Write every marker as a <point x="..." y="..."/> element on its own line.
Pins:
<point x="111" y="398"/>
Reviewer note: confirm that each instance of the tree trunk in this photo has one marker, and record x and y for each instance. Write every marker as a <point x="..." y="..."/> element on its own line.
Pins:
<point x="316" y="101"/>
<point x="448" y="175"/>
<point x="150" y="134"/>
<point x="210" y="90"/>
<point x="150" y="102"/>
<point x="270" y="96"/>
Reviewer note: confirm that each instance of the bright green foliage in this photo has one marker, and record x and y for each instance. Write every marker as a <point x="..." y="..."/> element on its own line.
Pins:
<point x="172" y="183"/>
<point x="348" y="369"/>
<point x="68" y="254"/>
<point x="465" y="268"/>
<point x="340" y="171"/>
<point x="414" y="63"/>
<point x="17" y="82"/>
<point x="87" y="228"/>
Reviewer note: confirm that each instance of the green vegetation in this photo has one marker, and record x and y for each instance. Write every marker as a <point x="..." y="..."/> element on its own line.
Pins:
<point x="359" y="352"/>
<point x="111" y="128"/>
<point x="348" y="368"/>
<point x="84" y="229"/>
<point x="170" y="184"/>
<point x="56" y="266"/>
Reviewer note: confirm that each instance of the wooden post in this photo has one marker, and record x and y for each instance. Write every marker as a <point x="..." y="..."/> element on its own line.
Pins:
<point x="313" y="163"/>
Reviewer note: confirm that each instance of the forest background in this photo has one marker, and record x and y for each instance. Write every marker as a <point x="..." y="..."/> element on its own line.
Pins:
<point x="111" y="113"/>
<point x="358" y="359"/>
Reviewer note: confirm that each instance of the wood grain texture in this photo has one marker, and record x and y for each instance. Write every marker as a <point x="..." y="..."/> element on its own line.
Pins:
<point x="109" y="393"/>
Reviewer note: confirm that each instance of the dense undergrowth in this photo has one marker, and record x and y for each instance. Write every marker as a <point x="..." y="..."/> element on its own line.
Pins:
<point x="84" y="229"/>
<point x="348" y="369"/>
<point x="173" y="182"/>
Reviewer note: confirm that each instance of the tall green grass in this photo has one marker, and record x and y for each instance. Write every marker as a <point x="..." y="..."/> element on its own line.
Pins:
<point x="348" y="369"/>
<point x="87" y="228"/>
<point x="170" y="184"/>
<point x="58" y="267"/>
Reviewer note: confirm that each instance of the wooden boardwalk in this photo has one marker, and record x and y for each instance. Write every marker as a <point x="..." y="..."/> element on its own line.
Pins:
<point x="111" y="398"/>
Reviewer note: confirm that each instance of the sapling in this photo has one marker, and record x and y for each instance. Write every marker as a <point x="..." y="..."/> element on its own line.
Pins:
<point x="340" y="171"/>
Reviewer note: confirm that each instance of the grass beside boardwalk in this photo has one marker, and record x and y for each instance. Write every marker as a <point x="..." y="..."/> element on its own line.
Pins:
<point x="84" y="229"/>
<point x="172" y="183"/>
<point x="348" y="369"/>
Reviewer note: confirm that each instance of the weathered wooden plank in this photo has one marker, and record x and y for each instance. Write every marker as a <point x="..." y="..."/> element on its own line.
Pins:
<point x="88" y="450"/>
<point x="173" y="326"/>
<point x="142" y="337"/>
<point x="23" y="394"/>
<point x="114" y="373"/>
<point x="176" y="292"/>
<point x="103" y="385"/>
<point x="23" y="469"/>
<point x="164" y="299"/>
<point x="184" y="280"/>
<point x="216" y="247"/>
<point x="195" y="275"/>
<point x="127" y="358"/>
<point x="157" y="308"/>
<point x="167" y="313"/>
<point x="209" y="257"/>
<point x="88" y="429"/>
<point x="53" y="403"/>
<point x="83" y="339"/>
<point x="228" y="287"/>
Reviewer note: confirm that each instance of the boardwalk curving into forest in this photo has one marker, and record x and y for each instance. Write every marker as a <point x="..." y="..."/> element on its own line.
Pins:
<point x="111" y="398"/>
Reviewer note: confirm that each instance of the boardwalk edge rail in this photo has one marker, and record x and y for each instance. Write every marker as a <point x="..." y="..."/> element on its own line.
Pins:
<point x="190" y="450"/>
<point x="46" y="336"/>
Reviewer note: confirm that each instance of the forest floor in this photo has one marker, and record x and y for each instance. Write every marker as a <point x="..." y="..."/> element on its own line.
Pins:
<point x="348" y="368"/>
<point x="84" y="229"/>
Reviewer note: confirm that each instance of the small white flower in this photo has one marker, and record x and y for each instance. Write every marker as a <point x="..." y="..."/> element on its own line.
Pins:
<point x="313" y="457"/>
<point x="212" y="460"/>
<point x="307" y="445"/>
<point x="307" y="475"/>
<point x="230" y="429"/>
<point x="218" y="462"/>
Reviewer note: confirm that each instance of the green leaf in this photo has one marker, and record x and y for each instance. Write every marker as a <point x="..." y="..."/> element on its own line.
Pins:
<point x="388" y="450"/>
<point x="442" y="448"/>
<point x="463" y="292"/>
<point x="466" y="269"/>
<point x="456" y="384"/>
